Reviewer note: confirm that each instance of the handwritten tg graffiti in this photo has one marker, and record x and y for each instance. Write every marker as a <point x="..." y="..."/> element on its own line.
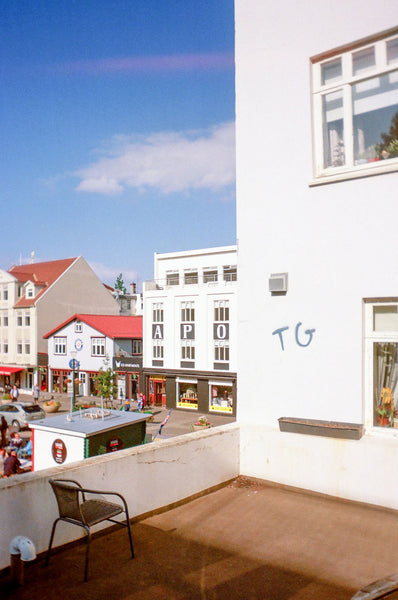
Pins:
<point x="308" y="332"/>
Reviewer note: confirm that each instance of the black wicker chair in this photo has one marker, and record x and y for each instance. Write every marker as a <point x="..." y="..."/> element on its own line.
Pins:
<point x="74" y="508"/>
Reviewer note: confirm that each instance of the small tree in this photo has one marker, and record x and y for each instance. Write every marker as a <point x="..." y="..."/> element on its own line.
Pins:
<point x="106" y="382"/>
<point x="119" y="284"/>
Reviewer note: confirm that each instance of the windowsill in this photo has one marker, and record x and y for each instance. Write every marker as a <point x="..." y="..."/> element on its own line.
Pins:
<point x="356" y="173"/>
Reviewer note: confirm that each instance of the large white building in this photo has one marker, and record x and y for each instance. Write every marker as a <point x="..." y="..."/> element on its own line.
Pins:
<point x="190" y="318"/>
<point x="317" y="193"/>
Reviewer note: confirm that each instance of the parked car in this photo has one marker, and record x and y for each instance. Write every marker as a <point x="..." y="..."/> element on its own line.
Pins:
<point x="20" y="414"/>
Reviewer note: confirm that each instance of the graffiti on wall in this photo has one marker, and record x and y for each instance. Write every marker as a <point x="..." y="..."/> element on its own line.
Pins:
<point x="302" y="340"/>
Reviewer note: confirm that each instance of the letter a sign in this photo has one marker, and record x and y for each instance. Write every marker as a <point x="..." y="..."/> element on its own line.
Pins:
<point x="157" y="331"/>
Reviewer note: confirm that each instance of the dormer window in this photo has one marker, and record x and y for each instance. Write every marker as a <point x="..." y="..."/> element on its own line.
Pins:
<point x="78" y="327"/>
<point x="29" y="292"/>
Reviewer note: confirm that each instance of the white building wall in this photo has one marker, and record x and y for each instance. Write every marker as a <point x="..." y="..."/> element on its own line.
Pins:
<point x="337" y="242"/>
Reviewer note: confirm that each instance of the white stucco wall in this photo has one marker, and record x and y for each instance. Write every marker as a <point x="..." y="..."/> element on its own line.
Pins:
<point x="149" y="477"/>
<point x="337" y="242"/>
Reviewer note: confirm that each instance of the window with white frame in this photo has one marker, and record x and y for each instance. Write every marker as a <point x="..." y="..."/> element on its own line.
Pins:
<point x="221" y="330"/>
<point x="5" y="321"/>
<point x="187" y="312"/>
<point x="27" y="348"/>
<point x="190" y="276"/>
<point x="157" y="312"/>
<point x="172" y="278"/>
<point x="78" y="327"/>
<point x="157" y="349"/>
<point x="187" y="349"/>
<point x="29" y="292"/>
<point x="355" y="108"/>
<point x="98" y="346"/>
<point x="221" y="351"/>
<point x="5" y="294"/>
<point x="5" y="347"/>
<point x="137" y="347"/>
<point x="381" y="370"/>
<point x="19" y="347"/>
<point x="59" y="345"/>
<point x="230" y="273"/>
<point x="221" y="310"/>
<point x="19" y="319"/>
<point x="27" y="320"/>
<point x="210" y="275"/>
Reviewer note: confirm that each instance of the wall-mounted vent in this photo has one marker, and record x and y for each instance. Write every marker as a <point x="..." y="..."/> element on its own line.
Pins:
<point x="278" y="283"/>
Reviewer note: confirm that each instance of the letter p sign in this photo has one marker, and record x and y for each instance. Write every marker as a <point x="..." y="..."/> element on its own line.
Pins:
<point x="187" y="331"/>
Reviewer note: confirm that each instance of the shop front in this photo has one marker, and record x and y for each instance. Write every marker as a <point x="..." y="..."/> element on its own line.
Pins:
<point x="128" y="370"/>
<point x="204" y="392"/>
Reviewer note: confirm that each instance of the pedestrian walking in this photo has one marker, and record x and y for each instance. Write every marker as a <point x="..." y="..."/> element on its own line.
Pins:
<point x="36" y="393"/>
<point x="14" y="393"/>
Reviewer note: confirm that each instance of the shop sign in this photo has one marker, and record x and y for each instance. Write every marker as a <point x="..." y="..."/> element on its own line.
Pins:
<point x="187" y="331"/>
<point x="59" y="451"/>
<point x="157" y="331"/>
<point x="185" y="404"/>
<point x="221" y="331"/>
<point x="223" y="409"/>
<point x="127" y="362"/>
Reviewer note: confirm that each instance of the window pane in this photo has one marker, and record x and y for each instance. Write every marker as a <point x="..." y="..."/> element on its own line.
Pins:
<point x="333" y="129"/>
<point x="363" y="61"/>
<point x="385" y="384"/>
<point x="385" y="318"/>
<point x="392" y="51"/>
<point x="375" y="119"/>
<point x="331" y="71"/>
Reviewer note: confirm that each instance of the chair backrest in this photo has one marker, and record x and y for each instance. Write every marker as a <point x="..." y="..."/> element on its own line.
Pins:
<point x="67" y="495"/>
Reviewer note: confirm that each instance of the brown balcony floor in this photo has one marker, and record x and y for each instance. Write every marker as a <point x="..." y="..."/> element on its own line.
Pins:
<point x="248" y="540"/>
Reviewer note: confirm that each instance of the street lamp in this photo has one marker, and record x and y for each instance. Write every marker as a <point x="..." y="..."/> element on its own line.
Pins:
<point x="73" y="364"/>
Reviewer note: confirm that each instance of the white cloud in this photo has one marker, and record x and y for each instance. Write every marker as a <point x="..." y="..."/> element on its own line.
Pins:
<point x="167" y="161"/>
<point x="109" y="275"/>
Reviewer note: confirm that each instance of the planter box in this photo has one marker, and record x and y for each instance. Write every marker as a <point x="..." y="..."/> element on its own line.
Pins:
<point x="348" y="431"/>
<point x="199" y="427"/>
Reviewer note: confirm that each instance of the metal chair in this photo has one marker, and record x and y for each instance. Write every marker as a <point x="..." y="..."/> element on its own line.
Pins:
<point x="74" y="508"/>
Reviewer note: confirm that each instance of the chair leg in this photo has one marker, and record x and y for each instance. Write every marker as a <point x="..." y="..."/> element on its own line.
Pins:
<point x="130" y="537"/>
<point x="88" y="540"/>
<point x="51" y="541"/>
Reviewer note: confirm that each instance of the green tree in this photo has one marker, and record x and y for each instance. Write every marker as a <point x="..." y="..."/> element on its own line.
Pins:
<point x="119" y="284"/>
<point x="106" y="382"/>
<point x="388" y="148"/>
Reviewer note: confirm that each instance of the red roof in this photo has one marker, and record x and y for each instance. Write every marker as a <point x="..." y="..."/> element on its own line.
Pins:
<point x="42" y="274"/>
<point x="113" y="326"/>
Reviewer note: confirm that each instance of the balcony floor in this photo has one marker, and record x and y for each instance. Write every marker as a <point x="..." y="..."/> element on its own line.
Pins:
<point x="248" y="540"/>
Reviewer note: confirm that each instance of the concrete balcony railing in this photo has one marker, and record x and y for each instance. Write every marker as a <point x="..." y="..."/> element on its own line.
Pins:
<point x="150" y="477"/>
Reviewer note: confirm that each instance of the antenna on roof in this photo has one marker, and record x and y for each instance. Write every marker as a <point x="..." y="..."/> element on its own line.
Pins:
<point x="32" y="257"/>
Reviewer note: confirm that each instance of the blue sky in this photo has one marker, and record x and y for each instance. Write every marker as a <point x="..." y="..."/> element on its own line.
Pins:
<point x="117" y="121"/>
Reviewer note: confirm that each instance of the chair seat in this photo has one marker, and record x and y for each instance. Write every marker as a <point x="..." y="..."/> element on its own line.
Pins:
<point x="95" y="511"/>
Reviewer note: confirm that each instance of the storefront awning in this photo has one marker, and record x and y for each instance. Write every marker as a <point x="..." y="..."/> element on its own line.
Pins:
<point x="9" y="370"/>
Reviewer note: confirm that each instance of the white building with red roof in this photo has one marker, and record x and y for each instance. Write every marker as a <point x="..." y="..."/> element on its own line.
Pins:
<point x="96" y="342"/>
<point x="34" y="298"/>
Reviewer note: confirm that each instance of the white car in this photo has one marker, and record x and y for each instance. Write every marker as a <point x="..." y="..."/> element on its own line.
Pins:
<point x="20" y="414"/>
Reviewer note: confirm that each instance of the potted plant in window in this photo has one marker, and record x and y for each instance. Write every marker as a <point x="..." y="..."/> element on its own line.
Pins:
<point x="386" y="410"/>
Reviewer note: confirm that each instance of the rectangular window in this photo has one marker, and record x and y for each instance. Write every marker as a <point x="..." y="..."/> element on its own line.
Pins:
<point x="98" y="346"/>
<point x="78" y="327"/>
<point x="5" y="321"/>
<point x="221" y="351"/>
<point x="157" y="313"/>
<point x="210" y="275"/>
<point x="29" y="293"/>
<point x="172" y="278"/>
<point x="230" y="273"/>
<point x="190" y="277"/>
<point x="19" y="348"/>
<point x="187" y="312"/>
<point x="157" y="349"/>
<point x="59" y="345"/>
<point x="187" y="394"/>
<point x="27" y="348"/>
<point x="355" y="108"/>
<point x="187" y="350"/>
<point x="221" y="310"/>
<point x="220" y="396"/>
<point x="5" y="294"/>
<point x="137" y="346"/>
<point x="27" y="320"/>
<point x="19" y="320"/>
<point x="5" y="347"/>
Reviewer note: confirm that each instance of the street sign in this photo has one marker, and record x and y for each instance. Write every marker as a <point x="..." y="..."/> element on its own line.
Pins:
<point x="74" y="364"/>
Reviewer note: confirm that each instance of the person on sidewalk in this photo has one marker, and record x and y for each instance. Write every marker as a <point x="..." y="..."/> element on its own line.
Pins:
<point x="3" y="430"/>
<point x="36" y="394"/>
<point x="14" y="393"/>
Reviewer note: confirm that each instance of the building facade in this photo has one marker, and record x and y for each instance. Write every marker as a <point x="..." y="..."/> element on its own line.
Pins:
<point x="33" y="299"/>
<point x="317" y="180"/>
<point x="190" y="328"/>
<point x="96" y="342"/>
